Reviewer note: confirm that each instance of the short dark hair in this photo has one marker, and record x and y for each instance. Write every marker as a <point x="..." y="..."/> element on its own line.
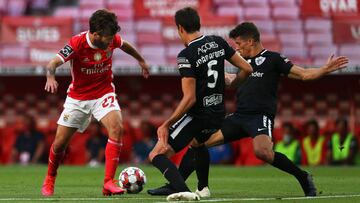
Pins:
<point x="189" y="19"/>
<point x="245" y="30"/>
<point x="104" y="23"/>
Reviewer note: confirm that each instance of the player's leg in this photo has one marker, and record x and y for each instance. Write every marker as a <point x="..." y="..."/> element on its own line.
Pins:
<point x="180" y="135"/>
<point x="263" y="148"/>
<point x="56" y="154"/>
<point x="107" y="111"/>
<point x="74" y="117"/>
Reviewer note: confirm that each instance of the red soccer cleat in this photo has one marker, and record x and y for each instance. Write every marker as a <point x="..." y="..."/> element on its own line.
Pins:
<point x="48" y="186"/>
<point x="110" y="188"/>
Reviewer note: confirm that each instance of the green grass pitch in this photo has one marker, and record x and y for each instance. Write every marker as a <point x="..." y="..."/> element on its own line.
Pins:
<point x="227" y="183"/>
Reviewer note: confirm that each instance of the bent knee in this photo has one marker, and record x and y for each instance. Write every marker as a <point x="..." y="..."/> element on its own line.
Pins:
<point x="116" y="130"/>
<point x="265" y="155"/>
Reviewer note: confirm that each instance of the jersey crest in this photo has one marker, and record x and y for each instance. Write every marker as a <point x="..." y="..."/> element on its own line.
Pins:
<point x="259" y="60"/>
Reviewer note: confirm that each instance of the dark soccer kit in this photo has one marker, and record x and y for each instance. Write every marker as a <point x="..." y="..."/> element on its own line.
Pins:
<point x="203" y="59"/>
<point x="257" y="98"/>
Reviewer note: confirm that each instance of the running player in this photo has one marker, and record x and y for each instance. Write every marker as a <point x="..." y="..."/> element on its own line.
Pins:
<point x="91" y="93"/>
<point x="201" y="109"/>
<point x="256" y="108"/>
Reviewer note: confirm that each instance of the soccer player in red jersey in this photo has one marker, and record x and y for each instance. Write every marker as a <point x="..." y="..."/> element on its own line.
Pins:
<point x="91" y="93"/>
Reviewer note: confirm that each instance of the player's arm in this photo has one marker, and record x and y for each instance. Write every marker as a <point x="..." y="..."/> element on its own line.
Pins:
<point x="131" y="50"/>
<point x="51" y="84"/>
<point x="188" y="85"/>
<point x="234" y="80"/>
<point x="333" y="64"/>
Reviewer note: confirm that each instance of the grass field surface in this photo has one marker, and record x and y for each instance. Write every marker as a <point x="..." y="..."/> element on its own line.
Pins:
<point x="227" y="184"/>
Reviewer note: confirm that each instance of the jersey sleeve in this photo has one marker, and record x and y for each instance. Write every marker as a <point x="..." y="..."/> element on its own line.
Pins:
<point x="229" y="51"/>
<point x="68" y="51"/>
<point x="283" y="64"/>
<point x="118" y="41"/>
<point x="184" y="66"/>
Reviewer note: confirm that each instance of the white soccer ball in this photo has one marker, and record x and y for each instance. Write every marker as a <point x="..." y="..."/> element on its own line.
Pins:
<point x="132" y="179"/>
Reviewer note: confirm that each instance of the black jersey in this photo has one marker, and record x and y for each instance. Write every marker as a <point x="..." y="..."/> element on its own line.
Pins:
<point x="203" y="59"/>
<point x="258" y="94"/>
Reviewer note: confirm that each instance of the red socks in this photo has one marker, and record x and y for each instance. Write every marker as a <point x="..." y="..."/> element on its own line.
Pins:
<point x="54" y="161"/>
<point x="112" y="153"/>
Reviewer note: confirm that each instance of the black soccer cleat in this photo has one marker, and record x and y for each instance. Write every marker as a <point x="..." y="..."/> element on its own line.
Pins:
<point x="308" y="185"/>
<point x="162" y="191"/>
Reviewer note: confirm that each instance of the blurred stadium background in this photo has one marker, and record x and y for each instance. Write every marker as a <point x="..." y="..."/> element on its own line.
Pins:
<point x="307" y="31"/>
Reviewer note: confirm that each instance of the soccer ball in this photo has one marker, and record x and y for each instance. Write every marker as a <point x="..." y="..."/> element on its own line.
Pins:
<point x="132" y="179"/>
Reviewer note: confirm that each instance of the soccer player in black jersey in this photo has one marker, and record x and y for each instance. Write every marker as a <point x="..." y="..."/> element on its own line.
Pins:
<point x="256" y="108"/>
<point x="201" y="109"/>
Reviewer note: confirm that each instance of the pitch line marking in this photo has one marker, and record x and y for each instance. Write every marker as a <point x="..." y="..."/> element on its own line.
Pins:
<point x="203" y="200"/>
<point x="271" y="198"/>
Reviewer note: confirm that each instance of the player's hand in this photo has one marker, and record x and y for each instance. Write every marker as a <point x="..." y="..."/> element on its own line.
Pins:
<point x="336" y="63"/>
<point x="51" y="85"/>
<point x="163" y="135"/>
<point x="144" y="69"/>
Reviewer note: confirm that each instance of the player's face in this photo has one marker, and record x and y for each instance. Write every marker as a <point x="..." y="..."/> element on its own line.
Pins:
<point x="102" y="42"/>
<point x="243" y="46"/>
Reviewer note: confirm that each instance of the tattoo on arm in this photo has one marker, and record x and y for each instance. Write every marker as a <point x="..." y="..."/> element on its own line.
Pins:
<point x="50" y="71"/>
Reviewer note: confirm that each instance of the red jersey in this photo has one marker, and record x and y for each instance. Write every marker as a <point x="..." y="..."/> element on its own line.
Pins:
<point x="90" y="67"/>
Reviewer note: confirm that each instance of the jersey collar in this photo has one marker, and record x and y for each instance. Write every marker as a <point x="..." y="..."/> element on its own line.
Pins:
<point x="89" y="42"/>
<point x="196" y="39"/>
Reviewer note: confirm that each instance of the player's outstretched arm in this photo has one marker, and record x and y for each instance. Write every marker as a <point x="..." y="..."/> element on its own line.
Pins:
<point x="188" y="85"/>
<point x="51" y="84"/>
<point x="131" y="50"/>
<point x="234" y="80"/>
<point x="333" y="64"/>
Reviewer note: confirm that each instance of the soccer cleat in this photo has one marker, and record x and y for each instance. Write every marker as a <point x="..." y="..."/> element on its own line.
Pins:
<point x="163" y="190"/>
<point x="183" y="196"/>
<point x="110" y="188"/>
<point x="48" y="186"/>
<point x="308" y="186"/>
<point x="204" y="193"/>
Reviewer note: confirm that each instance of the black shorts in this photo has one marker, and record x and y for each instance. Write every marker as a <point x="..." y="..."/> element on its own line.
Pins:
<point x="188" y="127"/>
<point x="237" y="126"/>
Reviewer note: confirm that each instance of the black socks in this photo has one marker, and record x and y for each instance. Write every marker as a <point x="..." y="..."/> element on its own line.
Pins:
<point x="283" y="163"/>
<point x="170" y="172"/>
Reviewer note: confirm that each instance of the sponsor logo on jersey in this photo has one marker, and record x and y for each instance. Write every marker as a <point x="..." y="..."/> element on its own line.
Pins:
<point x="259" y="60"/>
<point x="212" y="100"/>
<point x="66" y="51"/>
<point x="257" y="74"/>
<point x="203" y="49"/>
<point x="97" y="56"/>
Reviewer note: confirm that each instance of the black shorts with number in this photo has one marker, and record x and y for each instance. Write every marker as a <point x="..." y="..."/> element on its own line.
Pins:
<point x="188" y="127"/>
<point x="237" y="126"/>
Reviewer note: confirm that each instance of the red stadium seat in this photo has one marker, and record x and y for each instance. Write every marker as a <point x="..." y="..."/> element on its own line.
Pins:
<point x="149" y="25"/>
<point x="321" y="25"/>
<point x="117" y="3"/>
<point x="16" y="7"/>
<point x="288" y="26"/>
<point x="265" y="26"/>
<point x="230" y="11"/>
<point x="67" y="11"/>
<point x="257" y="13"/>
<point x="255" y="3"/>
<point x="92" y="4"/>
<point x="280" y="3"/>
<point x="286" y="13"/>
<point x="322" y="51"/>
<point x="319" y="38"/>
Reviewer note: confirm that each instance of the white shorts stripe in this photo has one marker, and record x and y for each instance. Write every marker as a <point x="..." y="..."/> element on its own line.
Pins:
<point x="269" y="128"/>
<point x="183" y="123"/>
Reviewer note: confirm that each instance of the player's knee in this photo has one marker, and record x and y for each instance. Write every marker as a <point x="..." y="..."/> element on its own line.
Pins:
<point x="116" y="130"/>
<point x="264" y="154"/>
